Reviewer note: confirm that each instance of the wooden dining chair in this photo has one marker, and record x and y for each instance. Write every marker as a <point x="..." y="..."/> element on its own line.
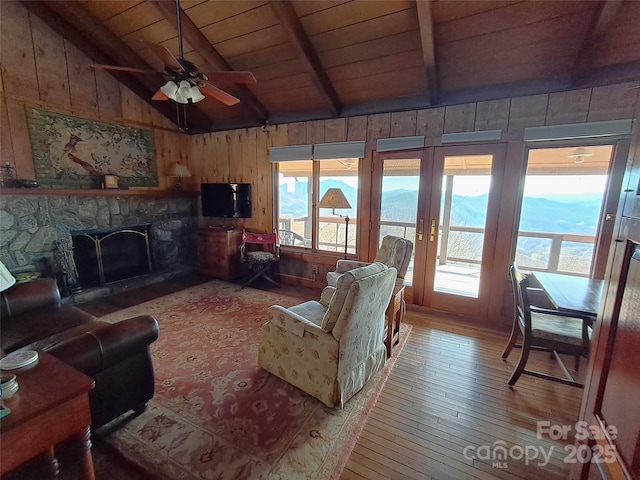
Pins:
<point x="545" y="329"/>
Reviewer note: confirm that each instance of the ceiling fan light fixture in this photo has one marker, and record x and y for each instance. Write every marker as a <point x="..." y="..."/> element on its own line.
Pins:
<point x="180" y="99"/>
<point x="170" y="89"/>
<point x="184" y="90"/>
<point x="196" y="94"/>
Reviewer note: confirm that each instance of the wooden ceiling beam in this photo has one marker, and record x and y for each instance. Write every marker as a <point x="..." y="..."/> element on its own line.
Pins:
<point x="425" y="20"/>
<point x="203" y="47"/>
<point x="604" y="16"/>
<point x="298" y="37"/>
<point x="73" y="23"/>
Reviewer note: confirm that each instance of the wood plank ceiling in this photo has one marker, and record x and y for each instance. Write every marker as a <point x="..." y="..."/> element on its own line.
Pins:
<point x="331" y="58"/>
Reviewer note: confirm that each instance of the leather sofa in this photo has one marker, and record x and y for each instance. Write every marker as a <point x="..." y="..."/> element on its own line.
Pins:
<point x="117" y="356"/>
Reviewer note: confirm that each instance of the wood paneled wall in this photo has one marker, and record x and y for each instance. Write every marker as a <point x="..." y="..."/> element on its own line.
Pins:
<point x="40" y="69"/>
<point x="242" y="155"/>
<point x="512" y="115"/>
<point x="239" y="156"/>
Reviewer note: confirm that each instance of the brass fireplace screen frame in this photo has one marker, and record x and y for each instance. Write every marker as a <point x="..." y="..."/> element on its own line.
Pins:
<point x="98" y="237"/>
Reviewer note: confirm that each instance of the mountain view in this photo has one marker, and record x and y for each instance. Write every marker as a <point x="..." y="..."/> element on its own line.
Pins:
<point x="574" y="214"/>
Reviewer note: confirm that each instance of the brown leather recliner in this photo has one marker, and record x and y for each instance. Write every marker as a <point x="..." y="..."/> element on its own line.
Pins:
<point x="117" y="356"/>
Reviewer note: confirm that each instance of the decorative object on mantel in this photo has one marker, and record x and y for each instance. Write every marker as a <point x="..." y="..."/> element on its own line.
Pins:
<point x="71" y="152"/>
<point x="110" y="181"/>
<point x="179" y="171"/>
<point x="9" y="182"/>
<point x="7" y="173"/>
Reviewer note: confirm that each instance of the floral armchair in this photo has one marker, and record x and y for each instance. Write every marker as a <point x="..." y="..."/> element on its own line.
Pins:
<point x="331" y="348"/>
<point x="394" y="252"/>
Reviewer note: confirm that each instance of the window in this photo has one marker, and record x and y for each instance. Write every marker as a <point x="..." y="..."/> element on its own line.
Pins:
<point x="295" y="180"/>
<point x="334" y="233"/>
<point x="301" y="185"/>
<point x="560" y="217"/>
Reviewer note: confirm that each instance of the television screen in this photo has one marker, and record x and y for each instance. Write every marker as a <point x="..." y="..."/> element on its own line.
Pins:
<point x="226" y="200"/>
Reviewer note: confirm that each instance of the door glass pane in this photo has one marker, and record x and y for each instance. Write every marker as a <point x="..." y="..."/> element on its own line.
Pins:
<point x="399" y="202"/>
<point x="463" y="213"/>
<point x="561" y="204"/>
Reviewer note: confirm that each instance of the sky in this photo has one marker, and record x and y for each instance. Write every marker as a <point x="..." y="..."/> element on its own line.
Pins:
<point x="536" y="185"/>
<point x="541" y="185"/>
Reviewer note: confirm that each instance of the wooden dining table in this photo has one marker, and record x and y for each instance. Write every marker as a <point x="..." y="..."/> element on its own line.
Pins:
<point x="572" y="294"/>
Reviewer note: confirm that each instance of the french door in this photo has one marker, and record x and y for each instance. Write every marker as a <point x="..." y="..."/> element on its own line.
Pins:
<point x="446" y="200"/>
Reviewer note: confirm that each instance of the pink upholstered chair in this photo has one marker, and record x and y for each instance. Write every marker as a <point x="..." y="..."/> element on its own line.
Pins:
<point x="260" y="252"/>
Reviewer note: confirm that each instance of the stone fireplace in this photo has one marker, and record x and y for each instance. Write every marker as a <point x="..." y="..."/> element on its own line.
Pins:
<point x="35" y="222"/>
<point x="103" y="256"/>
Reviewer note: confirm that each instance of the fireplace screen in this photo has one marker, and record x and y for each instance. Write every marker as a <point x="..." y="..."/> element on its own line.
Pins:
<point x="106" y="256"/>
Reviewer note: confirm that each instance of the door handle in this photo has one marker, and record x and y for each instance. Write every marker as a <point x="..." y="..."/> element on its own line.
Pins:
<point x="433" y="231"/>
<point x="421" y="229"/>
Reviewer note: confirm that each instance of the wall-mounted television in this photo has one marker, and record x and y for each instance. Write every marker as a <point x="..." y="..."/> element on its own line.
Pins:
<point x="226" y="200"/>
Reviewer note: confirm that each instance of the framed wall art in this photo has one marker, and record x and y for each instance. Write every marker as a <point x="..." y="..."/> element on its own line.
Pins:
<point x="71" y="152"/>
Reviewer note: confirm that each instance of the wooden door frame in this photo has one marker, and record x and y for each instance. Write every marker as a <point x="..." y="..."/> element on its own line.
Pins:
<point x="610" y="200"/>
<point x="425" y="155"/>
<point x="476" y="308"/>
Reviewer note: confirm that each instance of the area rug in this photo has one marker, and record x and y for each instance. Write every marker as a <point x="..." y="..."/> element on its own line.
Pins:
<point x="215" y="413"/>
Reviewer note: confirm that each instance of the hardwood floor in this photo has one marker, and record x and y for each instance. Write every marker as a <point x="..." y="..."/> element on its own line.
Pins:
<point x="444" y="412"/>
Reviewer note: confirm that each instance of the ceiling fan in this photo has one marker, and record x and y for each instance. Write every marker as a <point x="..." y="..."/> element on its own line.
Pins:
<point x="184" y="81"/>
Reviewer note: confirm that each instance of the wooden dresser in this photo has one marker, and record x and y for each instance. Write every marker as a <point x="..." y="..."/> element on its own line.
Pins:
<point x="219" y="253"/>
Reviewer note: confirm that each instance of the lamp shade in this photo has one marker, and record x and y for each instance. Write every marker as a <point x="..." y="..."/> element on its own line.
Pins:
<point x="179" y="170"/>
<point x="334" y="198"/>
<point x="6" y="279"/>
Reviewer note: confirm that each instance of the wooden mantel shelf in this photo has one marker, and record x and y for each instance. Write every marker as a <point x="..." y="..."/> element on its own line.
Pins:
<point x="116" y="192"/>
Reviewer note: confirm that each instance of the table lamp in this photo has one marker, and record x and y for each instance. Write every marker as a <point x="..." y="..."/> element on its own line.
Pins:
<point x="179" y="171"/>
<point x="6" y="279"/>
<point x="334" y="198"/>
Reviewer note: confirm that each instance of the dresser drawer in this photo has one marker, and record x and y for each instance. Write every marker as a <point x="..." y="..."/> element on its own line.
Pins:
<point x="219" y="253"/>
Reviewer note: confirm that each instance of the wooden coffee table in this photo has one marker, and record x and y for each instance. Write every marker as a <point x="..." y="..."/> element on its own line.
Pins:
<point x="394" y="314"/>
<point x="51" y="406"/>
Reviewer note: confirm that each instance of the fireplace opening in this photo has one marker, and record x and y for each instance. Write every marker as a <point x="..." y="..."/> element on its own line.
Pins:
<point x="109" y="255"/>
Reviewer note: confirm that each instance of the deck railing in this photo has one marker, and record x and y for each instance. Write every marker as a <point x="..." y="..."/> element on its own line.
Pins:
<point x="561" y="252"/>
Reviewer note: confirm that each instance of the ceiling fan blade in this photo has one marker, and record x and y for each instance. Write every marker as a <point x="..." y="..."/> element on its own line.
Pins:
<point x="214" y="92"/>
<point x="123" y="69"/>
<point x="159" y="95"/>
<point x="165" y="55"/>
<point x="231" y="77"/>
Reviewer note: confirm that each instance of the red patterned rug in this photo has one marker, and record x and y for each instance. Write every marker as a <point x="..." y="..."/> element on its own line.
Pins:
<point x="216" y="414"/>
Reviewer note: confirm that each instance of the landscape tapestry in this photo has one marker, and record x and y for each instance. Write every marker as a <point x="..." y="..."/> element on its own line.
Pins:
<point x="71" y="152"/>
